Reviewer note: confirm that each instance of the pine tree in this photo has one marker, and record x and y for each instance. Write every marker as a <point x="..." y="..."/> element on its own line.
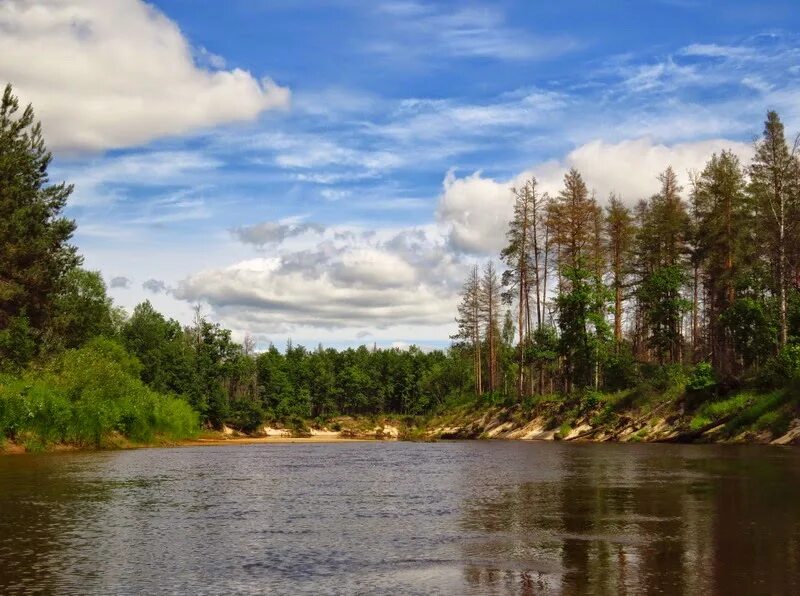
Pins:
<point x="34" y="251"/>
<point x="661" y="251"/>
<point x="489" y="309"/>
<point x="620" y="231"/>
<point x="774" y="185"/>
<point x="469" y="319"/>
<point x="571" y="219"/>
<point x="523" y="256"/>
<point x="722" y="244"/>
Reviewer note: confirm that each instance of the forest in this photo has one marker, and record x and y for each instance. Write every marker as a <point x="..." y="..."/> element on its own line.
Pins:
<point x="704" y="277"/>
<point x="694" y="288"/>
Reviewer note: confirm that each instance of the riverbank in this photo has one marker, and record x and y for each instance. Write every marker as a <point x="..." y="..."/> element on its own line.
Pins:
<point x="628" y="416"/>
<point x="632" y="416"/>
<point x="360" y="430"/>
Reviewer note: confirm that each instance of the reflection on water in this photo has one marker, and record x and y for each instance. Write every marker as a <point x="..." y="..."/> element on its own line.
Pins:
<point x="450" y="518"/>
<point x="646" y="519"/>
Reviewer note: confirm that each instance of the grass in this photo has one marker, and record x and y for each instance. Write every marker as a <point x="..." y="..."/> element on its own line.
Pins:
<point x="715" y="410"/>
<point x="771" y="412"/>
<point x="770" y="406"/>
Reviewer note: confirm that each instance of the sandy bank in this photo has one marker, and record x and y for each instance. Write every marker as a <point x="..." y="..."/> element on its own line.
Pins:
<point x="11" y="448"/>
<point x="332" y="438"/>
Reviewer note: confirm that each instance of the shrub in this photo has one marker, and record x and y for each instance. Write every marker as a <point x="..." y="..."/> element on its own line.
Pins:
<point x="246" y="415"/>
<point x="86" y="395"/>
<point x="298" y="427"/>
<point x="783" y="368"/>
<point x="589" y="401"/>
<point x="620" y="371"/>
<point x="702" y="383"/>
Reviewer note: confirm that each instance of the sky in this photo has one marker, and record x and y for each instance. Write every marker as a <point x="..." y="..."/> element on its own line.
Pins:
<point x="328" y="171"/>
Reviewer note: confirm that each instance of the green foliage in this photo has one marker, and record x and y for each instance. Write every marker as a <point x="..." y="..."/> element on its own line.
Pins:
<point x="17" y="344"/>
<point x="585" y="332"/>
<point x="298" y="427"/>
<point x="669" y="376"/>
<point x="787" y="363"/>
<point x="160" y="346"/>
<point x="620" y="370"/>
<point x="81" y="311"/>
<point x="589" y="400"/>
<point x="246" y="415"/>
<point x="753" y="328"/>
<point x="736" y="404"/>
<point x="760" y="406"/>
<point x="87" y="394"/>
<point x="358" y="381"/>
<point x="702" y="382"/>
<point x="543" y="351"/>
<point x="783" y="369"/>
<point x="34" y="252"/>
<point x="664" y="306"/>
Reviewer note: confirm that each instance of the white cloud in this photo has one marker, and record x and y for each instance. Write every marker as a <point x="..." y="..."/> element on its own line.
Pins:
<point x="96" y="181"/>
<point x="119" y="73"/>
<point x="477" y="209"/>
<point x="310" y="151"/>
<point x="663" y="75"/>
<point x="351" y="279"/>
<point x="369" y="267"/>
<point x="421" y="119"/>
<point x="474" y="31"/>
<point x="333" y="282"/>
<point x="630" y="168"/>
<point x="711" y="50"/>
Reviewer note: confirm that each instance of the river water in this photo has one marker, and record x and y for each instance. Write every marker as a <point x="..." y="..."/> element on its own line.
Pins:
<point x="473" y="517"/>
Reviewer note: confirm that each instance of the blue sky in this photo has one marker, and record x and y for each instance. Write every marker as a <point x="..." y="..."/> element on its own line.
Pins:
<point x="328" y="171"/>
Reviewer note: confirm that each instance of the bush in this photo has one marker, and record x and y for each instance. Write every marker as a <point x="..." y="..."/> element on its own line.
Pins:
<point x="298" y="427"/>
<point x="589" y="401"/>
<point x="85" y="396"/>
<point x="246" y="415"/>
<point x="620" y="371"/>
<point x="702" y="384"/>
<point x="783" y="368"/>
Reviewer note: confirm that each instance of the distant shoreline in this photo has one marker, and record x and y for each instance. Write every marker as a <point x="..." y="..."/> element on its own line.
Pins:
<point x="215" y="439"/>
<point x="213" y="442"/>
<point x="663" y="423"/>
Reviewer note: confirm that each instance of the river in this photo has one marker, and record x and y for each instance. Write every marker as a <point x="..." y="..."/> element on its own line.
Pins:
<point x="472" y="517"/>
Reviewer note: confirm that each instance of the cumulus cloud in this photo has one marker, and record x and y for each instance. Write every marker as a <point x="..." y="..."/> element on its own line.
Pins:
<point x="120" y="282"/>
<point x="350" y="280"/>
<point x="156" y="286"/>
<point x="119" y="73"/>
<point x="630" y="168"/>
<point x="273" y="232"/>
<point x="476" y="209"/>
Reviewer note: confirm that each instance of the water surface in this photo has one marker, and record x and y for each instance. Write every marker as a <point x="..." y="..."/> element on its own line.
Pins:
<point x="403" y="518"/>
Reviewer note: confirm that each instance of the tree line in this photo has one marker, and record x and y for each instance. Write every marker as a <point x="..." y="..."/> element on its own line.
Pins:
<point x="590" y="296"/>
<point x="231" y="383"/>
